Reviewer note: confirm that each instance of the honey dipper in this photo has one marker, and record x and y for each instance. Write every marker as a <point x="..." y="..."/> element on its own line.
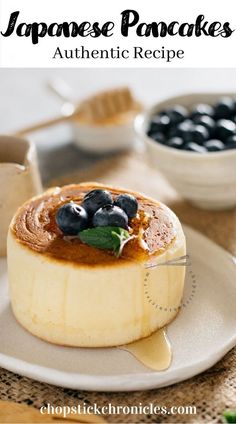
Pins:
<point x="95" y="109"/>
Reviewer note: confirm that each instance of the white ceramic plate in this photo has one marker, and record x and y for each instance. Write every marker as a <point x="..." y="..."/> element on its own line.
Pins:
<point x="202" y="333"/>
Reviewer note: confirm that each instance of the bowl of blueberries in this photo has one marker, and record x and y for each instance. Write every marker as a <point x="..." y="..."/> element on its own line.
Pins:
<point x="191" y="139"/>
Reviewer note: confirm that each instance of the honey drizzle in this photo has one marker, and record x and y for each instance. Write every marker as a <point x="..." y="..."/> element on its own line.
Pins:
<point x="153" y="351"/>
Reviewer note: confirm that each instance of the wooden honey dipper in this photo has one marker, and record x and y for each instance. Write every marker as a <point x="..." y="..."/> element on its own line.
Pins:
<point x="96" y="109"/>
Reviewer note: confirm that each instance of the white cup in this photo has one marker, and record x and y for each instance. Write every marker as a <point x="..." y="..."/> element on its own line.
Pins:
<point x="106" y="138"/>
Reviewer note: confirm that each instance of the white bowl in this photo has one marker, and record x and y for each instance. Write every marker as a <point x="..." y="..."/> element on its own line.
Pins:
<point x="208" y="180"/>
<point x="104" y="139"/>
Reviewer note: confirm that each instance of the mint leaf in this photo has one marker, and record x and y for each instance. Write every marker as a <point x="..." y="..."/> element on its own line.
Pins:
<point x="230" y="416"/>
<point x="110" y="238"/>
<point x="120" y="239"/>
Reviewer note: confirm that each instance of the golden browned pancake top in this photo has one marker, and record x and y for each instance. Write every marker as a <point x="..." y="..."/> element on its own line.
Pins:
<point x="35" y="227"/>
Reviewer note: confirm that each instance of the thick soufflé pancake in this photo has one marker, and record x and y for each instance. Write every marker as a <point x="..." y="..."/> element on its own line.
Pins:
<point x="66" y="290"/>
<point x="35" y="226"/>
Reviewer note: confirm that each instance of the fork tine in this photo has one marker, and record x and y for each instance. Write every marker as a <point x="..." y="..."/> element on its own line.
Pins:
<point x="180" y="261"/>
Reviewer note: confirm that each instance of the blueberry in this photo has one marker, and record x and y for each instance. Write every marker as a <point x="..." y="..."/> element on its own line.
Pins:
<point x="176" y="142"/>
<point x="161" y="113"/>
<point x="95" y="199"/>
<point x="202" y="109"/>
<point x="173" y="132"/>
<point x="194" y="147"/>
<point x="214" y="145"/>
<point x="177" y="114"/>
<point x="233" y="118"/>
<point x="181" y="130"/>
<point x="159" y="124"/>
<point x="205" y="121"/>
<point x="71" y="218"/>
<point x="127" y="203"/>
<point x="110" y="215"/>
<point x="231" y="142"/>
<point x="199" y="134"/>
<point x="185" y="125"/>
<point x="158" y="137"/>
<point x="224" y="108"/>
<point x="225" y="128"/>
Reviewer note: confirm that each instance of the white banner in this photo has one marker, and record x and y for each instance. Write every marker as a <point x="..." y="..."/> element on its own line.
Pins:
<point x="128" y="33"/>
